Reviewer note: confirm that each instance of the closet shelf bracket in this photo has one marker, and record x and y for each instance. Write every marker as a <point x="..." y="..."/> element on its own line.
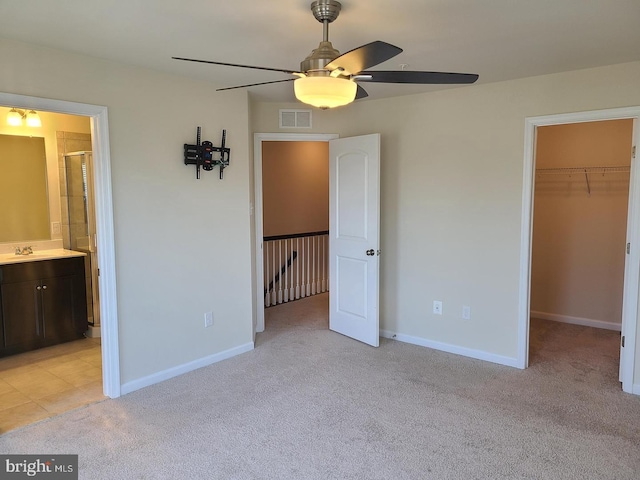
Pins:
<point x="586" y="178"/>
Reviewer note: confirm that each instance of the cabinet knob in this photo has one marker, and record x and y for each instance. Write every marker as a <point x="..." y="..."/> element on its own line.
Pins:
<point x="38" y="287"/>
<point x="44" y="287"/>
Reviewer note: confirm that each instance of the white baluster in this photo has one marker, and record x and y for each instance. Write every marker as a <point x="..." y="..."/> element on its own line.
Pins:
<point x="298" y="269"/>
<point x="286" y="272"/>
<point x="290" y="268"/>
<point x="267" y="296"/>
<point x="320" y="257"/>
<point x="302" y="255"/>
<point x="308" y="266"/>
<point x="313" y="262"/>
<point x="273" y="273"/>
<point x="279" y="272"/>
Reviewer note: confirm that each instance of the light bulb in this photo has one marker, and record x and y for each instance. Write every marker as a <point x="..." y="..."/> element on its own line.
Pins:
<point x="14" y="118"/>
<point x="33" y="119"/>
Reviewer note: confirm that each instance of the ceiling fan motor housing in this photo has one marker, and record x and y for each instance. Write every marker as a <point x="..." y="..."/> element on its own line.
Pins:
<point x="316" y="61"/>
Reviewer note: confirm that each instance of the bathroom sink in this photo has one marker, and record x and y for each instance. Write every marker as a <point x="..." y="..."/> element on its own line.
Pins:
<point x="8" y="258"/>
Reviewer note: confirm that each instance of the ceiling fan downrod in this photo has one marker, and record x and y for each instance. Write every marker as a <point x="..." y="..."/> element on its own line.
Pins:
<point x="325" y="11"/>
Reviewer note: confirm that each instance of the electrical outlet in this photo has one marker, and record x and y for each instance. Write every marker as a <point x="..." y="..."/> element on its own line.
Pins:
<point x="208" y="319"/>
<point x="55" y="228"/>
<point x="466" y="312"/>
<point x="437" y="307"/>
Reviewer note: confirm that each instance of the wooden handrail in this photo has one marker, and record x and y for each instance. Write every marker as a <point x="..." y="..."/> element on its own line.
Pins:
<point x="295" y="235"/>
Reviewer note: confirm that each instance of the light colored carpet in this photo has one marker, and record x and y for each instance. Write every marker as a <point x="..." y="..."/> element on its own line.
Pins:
<point x="308" y="403"/>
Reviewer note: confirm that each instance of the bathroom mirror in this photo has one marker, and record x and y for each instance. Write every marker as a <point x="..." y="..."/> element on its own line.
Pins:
<point x="24" y="207"/>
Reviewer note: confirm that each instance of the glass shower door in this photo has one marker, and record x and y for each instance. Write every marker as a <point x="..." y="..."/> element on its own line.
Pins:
<point x="80" y="225"/>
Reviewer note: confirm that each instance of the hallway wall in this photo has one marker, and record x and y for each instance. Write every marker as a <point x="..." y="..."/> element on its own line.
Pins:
<point x="295" y="187"/>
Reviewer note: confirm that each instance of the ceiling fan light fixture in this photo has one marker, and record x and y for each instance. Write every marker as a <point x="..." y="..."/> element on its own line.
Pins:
<point x="324" y="91"/>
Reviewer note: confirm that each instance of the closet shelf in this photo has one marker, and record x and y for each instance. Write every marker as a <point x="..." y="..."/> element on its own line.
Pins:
<point x="586" y="171"/>
<point x="582" y="170"/>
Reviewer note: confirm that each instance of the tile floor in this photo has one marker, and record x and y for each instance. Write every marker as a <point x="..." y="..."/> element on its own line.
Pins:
<point x="46" y="382"/>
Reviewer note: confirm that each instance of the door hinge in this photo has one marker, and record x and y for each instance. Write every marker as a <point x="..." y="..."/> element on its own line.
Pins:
<point x="622" y="341"/>
<point x="628" y="248"/>
<point x="633" y="152"/>
<point x="98" y="272"/>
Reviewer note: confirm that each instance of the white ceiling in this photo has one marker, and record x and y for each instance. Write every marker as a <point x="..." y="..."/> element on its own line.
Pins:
<point x="497" y="39"/>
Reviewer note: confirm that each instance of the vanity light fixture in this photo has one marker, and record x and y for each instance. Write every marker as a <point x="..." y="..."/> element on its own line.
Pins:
<point x="15" y="118"/>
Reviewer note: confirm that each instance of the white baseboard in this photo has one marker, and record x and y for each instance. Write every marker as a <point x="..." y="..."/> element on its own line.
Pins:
<point x="184" y="368"/>
<point x="93" y="332"/>
<point x="446" y="347"/>
<point x="587" y="322"/>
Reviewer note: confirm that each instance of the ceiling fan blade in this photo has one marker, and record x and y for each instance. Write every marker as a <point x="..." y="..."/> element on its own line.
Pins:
<point x="403" y="76"/>
<point x="255" y="84"/>
<point x="366" y="56"/>
<point x="361" y="93"/>
<point x="292" y="72"/>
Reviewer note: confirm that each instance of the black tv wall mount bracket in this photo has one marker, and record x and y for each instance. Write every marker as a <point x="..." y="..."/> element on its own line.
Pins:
<point x="202" y="155"/>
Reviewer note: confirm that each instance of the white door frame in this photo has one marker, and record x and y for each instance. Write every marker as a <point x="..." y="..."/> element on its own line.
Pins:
<point x="258" y="138"/>
<point x="632" y="280"/>
<point x="104" y="221"/>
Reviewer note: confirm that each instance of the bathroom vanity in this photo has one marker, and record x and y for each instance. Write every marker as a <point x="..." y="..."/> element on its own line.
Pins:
<point x="43" y="299"/>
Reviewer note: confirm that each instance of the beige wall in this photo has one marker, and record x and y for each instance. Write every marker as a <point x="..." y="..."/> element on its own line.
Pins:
<point x="451" y="195"/>
<point x="579" y="240"/>
<point x="182" y="245"/>
<point x="295" y="187"/>
<point x="51" y="122"/>
<point x="451" y="199"/>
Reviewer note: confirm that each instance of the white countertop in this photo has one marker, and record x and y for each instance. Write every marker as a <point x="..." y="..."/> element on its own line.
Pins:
<point x="38" y="255"/>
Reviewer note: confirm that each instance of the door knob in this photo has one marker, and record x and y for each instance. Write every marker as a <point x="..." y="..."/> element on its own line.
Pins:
<point x="371" y="252"/>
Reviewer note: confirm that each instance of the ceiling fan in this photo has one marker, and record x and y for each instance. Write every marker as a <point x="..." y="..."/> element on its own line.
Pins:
<point x="327" y="79"/>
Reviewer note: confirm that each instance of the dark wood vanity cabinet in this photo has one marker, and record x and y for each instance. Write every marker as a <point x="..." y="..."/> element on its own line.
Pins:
<point x="42" y="303"/>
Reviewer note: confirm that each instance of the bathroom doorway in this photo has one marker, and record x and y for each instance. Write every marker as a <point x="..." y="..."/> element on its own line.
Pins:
<point x="44" y="382"/>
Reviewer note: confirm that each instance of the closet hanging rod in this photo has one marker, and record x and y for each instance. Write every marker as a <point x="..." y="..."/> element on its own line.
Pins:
<point x="582" y="170"/>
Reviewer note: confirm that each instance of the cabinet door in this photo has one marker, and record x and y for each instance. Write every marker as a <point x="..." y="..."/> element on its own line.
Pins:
<point x="21" y="314"/>
<point x="57" y="309"/>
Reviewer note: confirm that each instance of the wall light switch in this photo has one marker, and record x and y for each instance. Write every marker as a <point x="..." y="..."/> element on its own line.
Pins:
<point x="466" y="312"/>
<point x="208" y="319"/>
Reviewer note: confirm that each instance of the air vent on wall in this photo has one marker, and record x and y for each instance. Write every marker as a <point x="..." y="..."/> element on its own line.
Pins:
<point x="295" y="118"/>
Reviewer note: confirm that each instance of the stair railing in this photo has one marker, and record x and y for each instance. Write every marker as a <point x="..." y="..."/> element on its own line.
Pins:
<point x="295" y="266"/>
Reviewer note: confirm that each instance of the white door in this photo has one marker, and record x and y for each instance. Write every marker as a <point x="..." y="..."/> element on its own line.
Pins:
<point x="631" y="281"/>
<point x="354" y="237"/>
